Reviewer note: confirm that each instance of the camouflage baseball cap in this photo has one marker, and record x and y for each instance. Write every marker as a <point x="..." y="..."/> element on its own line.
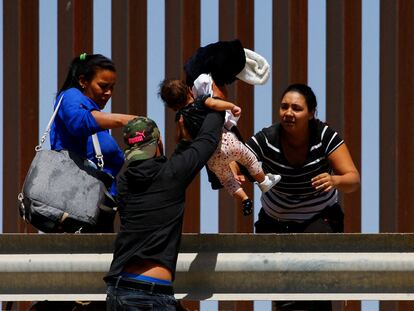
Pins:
<point x="141" y="135"/>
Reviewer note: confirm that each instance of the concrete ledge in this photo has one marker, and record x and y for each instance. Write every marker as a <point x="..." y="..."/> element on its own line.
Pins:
<point x="232" y="242"/>
<point x="220" y="266"/>
<point x="223" y="297"/>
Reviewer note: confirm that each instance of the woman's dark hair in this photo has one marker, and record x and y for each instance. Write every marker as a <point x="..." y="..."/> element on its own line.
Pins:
<point x="85" y="65"/>
<point x="306" y="92"/>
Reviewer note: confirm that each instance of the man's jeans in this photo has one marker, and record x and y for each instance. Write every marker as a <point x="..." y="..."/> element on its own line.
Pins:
<point x="129" y="299"/>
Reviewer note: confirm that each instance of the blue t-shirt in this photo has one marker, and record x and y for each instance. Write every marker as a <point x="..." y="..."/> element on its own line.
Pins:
<point x="73" y="127"/>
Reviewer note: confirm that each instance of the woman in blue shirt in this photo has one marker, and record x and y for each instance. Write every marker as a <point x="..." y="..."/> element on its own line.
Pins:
<point x="88" y="86"/>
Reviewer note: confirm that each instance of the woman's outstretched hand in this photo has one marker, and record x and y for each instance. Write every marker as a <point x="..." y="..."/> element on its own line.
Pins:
<point x="323" y="182"/>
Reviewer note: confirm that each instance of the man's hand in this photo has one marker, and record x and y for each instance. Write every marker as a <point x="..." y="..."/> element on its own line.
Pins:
<point x="181" y="132"/>
<point x="234" y="167"/>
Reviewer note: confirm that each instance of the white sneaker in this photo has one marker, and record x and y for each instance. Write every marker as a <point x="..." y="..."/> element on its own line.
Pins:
<point x="269" y="182"/>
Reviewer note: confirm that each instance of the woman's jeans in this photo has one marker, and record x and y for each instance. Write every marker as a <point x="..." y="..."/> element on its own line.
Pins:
<point x="330" y="220"/>
<point x="130" y="299"/>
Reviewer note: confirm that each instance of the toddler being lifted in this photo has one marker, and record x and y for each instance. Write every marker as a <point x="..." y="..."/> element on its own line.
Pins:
<point x="193" y="105"/>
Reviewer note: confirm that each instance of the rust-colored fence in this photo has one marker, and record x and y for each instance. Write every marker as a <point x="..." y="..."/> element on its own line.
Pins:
<point x="236" y="19"/>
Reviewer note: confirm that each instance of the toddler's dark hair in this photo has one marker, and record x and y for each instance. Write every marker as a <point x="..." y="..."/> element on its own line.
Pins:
<point x="173" y="93"/>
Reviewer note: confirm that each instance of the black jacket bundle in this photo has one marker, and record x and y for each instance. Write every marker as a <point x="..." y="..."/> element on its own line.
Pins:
<point x="222" y="59"/>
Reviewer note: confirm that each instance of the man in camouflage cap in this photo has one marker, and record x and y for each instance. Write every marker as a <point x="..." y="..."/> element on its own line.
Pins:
<point x="151" y="200"/>
<point x="141" y="135"/>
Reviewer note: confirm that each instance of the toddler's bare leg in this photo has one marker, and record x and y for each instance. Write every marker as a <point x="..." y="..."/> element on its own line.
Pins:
<point x="240" y="195"/>
<point x="260" y="177"/>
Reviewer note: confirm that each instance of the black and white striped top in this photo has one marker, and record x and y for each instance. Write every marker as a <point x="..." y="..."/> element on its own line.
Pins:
<point x="294" y="198"/>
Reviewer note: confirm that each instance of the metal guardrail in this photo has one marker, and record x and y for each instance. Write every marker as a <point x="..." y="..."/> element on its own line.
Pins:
<point x="219" y="266"/>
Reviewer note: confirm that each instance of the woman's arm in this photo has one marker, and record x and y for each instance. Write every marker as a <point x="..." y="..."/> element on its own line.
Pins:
<point x="111" y="120"/>
<point x="346" y="177"/>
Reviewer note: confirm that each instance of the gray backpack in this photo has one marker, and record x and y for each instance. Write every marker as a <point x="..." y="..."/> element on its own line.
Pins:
<point x="63" y="192"/>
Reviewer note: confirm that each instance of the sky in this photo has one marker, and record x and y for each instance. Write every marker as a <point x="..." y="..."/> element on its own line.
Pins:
<point x="262" y="95"/>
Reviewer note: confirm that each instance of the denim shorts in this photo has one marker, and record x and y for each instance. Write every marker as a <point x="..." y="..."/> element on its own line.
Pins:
<point x="130" y="299"/>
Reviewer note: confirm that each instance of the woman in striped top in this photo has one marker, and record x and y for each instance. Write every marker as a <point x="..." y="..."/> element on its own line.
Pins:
<point x="314" y="163"/>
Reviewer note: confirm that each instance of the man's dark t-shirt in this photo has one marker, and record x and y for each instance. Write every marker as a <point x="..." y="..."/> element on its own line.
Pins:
<point x="151" y="196"/>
